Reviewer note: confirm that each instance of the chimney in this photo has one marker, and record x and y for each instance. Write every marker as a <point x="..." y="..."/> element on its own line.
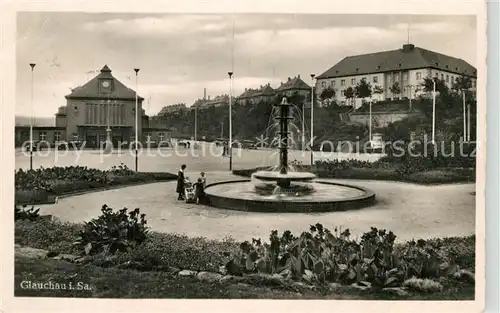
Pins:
<point x="204" y="93"/>
<point x="288" y="78"/>
<point x="408" y="47"/>
<point x="208" y="97"/>
<point x="246" y="89"/>
<point x="298" y="76"/>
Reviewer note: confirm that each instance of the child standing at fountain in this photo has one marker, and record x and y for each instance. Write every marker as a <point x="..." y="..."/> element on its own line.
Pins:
<point x="200" y="188"/>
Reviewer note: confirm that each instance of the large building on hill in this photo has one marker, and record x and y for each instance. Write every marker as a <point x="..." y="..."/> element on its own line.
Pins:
<point x="101" y="103"/>
<point x="407" y="67"/>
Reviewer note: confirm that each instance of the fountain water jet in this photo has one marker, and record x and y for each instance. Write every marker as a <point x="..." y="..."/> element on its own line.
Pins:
<point x="282" y="190"/>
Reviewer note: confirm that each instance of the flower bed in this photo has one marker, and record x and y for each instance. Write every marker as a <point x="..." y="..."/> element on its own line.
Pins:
<point x="45" y="184"/>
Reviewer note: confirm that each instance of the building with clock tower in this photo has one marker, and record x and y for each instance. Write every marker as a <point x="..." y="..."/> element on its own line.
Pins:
<point x="102" y="105"/>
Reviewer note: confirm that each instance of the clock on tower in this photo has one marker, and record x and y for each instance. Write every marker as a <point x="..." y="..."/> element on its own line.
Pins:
<point x="105" y="86"/>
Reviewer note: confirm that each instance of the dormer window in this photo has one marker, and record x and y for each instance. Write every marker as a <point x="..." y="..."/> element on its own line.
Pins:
<point x="437" y="64"/>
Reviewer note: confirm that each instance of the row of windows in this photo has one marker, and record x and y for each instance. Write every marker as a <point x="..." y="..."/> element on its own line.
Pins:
<point x="104" y="114"/>
<point x="395" y="78"/>
<point x="42" y="136"/>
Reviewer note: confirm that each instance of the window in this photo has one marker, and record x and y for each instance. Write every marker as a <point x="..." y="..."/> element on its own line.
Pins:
<point x="364" y="78"/>
<point x="342" y="82"/>
<point x="442" y="76"/>
<point x="161" y="136"/>
<point x="396" y="77"/>
<point x="342" y="92"/>
<point x="436" y="74"/>
<point x="419" y="75"/>
<point x="375" y="79"/>
<point x="353" y="81"/>
<point x="88" y="112"/>
<point x="102" y="114"/>
<point x="332" y="83"/>
<point x="323" y="84"/>
<point x="447" y="78"/>
<point x="57" y="136"/>
<point x="405" y="76"/>
<point x="95" y="114"/>
<point x="42" y="136"/>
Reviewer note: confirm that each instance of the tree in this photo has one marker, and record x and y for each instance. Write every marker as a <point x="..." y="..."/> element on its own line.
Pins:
<point x="363" y="89"/>
<point x="327" y="96"/>
<point x="428" y="85"/>
<point x="462" y="83"/>
<point x="395" y="89"/>
<point x="349" y="93"/>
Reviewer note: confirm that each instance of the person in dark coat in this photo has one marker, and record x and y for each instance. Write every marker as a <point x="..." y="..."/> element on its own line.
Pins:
<point x="180" y="182"/>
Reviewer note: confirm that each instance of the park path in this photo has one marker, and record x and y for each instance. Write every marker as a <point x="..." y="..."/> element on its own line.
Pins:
<point x="410" y="211"/>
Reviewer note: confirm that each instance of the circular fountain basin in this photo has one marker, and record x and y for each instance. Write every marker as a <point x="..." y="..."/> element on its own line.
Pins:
<point x="327" y="197"/>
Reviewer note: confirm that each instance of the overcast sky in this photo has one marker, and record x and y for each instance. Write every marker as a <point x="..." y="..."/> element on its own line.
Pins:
<point x="179" y="55"/>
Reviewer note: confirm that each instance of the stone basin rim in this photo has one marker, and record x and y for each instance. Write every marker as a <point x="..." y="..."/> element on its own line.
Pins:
<point x="332" y="205"/>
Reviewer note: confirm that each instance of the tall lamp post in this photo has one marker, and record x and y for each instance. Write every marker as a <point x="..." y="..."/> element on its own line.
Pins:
<point x="465" y="122"/>
<point x="230" y="147"/>
<point x="32" y="65"/>
<point x="312" y="118"/>
<point x="303" y="140"/>
<point x="136" y="70"/>
<point x="434" y="111"/>
<point x="410" y="87"/>
<point x="370" y="124"/>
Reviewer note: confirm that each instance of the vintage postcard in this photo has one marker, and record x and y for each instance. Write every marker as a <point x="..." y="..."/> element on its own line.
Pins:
<point x="317" y="151"/>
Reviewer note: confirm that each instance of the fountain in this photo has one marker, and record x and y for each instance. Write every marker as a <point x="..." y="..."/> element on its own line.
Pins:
<point x="283" y="190"/>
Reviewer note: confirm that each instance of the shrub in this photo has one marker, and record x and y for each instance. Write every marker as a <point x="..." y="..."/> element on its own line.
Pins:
<point x="25" y="213"/>
<point x="113" y="231"/>
<point x="320" y="256"/>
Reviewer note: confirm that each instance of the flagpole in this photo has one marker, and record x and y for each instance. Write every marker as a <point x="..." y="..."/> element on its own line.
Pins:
<point x="31" y="115"/>
<point x="136" y="118"/>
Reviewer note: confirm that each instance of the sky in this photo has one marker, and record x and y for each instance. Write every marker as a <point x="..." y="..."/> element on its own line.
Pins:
<point x="181" y="54"/>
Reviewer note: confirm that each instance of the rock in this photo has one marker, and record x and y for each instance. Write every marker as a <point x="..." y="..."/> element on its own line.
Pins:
<point x="397" y="291"/>
<point x="334" y="286"/>
<point x="361" y="286"/>
<point x="67" y="257"/>
<point x="303" y="286"/>
<point x="83" y="260"/>
<point x="465" y="276"/>
<point x="31" y="253"/>
<point x="186" y="273"/>
<point x="231" y="278"/>
<point x="208" y="276"/>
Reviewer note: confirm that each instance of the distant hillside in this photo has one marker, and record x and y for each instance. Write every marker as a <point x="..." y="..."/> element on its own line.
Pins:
<point x="37" y="121"/>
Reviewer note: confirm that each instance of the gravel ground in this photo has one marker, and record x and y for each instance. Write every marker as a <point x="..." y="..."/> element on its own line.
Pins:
<point x="410" y="211"/>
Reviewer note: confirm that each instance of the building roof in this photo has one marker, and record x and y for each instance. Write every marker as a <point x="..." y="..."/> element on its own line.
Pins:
<point x="265" y="90"/>
<point x="407" y="58"/>
<point x="248" y="93"/>
<point x="91" y="89"/>
<point x="295" y="83"/>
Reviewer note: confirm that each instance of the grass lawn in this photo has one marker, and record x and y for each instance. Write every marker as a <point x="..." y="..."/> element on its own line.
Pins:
<point x="118" y="283"/>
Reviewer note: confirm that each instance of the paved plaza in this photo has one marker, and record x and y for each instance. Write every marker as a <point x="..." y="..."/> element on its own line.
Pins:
<point x="411" y="211"/>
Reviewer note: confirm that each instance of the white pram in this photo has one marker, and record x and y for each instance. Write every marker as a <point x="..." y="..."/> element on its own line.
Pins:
<point x="189" y="192"/>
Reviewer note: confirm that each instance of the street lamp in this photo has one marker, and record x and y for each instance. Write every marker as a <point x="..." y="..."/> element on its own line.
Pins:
<point x="303" y="140"/>
<point x="312" y="118"/>
<point x="370" y="124"/>
<point x="32" y="65"/>
<point x="230" y="147"/>
<point x="410" y="87"/>
<point x="465" y="122"/>
<point x="136" y="118"/>
<point x="434" y="111"/>
<point x="468" y="122"/>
